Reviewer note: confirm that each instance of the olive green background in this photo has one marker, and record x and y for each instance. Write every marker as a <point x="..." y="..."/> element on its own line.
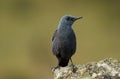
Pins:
<point x="27" y="26"/>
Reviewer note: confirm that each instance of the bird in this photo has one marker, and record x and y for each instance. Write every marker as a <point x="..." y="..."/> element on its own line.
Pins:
<point x="64" y="40"/>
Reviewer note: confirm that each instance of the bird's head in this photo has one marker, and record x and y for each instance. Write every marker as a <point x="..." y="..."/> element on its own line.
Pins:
<point x="68" y="20"/>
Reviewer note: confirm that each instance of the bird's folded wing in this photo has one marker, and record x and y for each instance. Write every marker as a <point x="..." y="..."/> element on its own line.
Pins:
<point x="54" y="35"/>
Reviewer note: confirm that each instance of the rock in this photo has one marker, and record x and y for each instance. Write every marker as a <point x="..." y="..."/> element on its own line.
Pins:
<point x="105" y="69"/>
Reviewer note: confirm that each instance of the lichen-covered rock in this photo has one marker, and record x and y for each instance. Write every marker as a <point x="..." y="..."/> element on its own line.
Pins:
<point x="105" y="69"/>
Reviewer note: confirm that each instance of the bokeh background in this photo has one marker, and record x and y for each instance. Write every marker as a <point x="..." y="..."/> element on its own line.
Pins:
<point x="27" y="26"/>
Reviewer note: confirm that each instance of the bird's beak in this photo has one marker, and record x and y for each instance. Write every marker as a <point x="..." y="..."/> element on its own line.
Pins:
<point x="80" y="17"/>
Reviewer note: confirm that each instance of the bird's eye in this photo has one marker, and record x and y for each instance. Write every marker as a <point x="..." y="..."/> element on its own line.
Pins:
<point x="68" y="18"/>
<point x="72" y="19"/>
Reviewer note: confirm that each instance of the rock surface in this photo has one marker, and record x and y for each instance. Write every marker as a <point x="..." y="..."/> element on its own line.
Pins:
<point x="105" y="69"/>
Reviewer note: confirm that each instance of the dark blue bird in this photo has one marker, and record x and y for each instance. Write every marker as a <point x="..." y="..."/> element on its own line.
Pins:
<point x="64" y="40"/>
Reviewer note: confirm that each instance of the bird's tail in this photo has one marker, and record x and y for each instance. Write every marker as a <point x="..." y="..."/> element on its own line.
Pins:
<point x="63" y="62"/>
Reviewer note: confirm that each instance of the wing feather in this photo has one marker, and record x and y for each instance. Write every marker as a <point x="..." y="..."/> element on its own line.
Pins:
<point x="54" y="35"/>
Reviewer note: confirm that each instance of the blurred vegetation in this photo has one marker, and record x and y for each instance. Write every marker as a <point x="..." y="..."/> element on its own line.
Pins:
<point x="27" y="26"/>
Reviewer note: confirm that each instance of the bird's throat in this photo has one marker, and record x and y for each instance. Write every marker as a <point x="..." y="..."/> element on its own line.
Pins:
<point x="65" y="27"/>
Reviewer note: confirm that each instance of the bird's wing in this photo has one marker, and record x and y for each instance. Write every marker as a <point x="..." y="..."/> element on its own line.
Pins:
<point x="54" y="35"/>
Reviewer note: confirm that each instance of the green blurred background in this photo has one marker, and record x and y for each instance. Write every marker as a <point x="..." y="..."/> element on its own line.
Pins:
<point x="27" y="26"/>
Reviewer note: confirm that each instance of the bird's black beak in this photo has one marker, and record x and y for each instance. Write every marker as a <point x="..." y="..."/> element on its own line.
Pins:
<point x="76" y="18"/>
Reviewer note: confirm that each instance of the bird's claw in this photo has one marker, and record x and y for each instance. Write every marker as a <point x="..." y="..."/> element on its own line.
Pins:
<point x="73" y="67"/>
<point x="54" y="68"/>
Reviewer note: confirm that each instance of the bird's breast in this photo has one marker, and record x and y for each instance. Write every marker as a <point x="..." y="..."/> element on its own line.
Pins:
<point x="64" y="42"/>
<point x="67" y="37"/>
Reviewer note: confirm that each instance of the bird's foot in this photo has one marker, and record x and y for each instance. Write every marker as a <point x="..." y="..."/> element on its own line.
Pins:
<point x="73" y="67"/>
<point x="54" y="68"/>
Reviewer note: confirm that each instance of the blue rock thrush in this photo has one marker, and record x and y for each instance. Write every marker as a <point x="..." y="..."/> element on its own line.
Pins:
<point x="64" y="40"/>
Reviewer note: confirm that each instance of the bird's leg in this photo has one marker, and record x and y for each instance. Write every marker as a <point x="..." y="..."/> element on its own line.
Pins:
<point x="73" y="66"/>
<point x="57" y="67"/>
<point x="71" y="63"/>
